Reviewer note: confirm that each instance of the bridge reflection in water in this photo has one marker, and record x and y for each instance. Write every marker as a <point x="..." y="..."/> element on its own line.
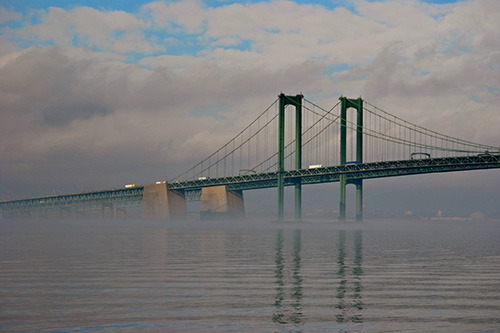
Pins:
<point x="349" y="308"/>
<point x="345" y="292"/>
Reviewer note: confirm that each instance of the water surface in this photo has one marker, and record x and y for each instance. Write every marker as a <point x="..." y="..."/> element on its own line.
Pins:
<point x="135" y="276"/>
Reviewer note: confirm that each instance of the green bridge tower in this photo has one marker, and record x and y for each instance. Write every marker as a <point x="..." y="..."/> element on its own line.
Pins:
<point x="283" y="102"/>
<point x="347" y="103"/>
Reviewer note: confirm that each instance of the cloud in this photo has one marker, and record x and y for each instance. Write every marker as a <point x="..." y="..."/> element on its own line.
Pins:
<point x="46" y="86"/>
<point x="72" y="111"/>
<point x="172" y="61"/>
<point x="116" y="31"/>
<point x="8" y="15"/>
<point x="188" y="15"/>
<point x="75" y="103"/>
<point x="451" y="98"/>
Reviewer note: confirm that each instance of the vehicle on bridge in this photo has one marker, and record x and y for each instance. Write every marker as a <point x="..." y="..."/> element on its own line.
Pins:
<point x="247" y="172"/>
<point x="420" y="155"/>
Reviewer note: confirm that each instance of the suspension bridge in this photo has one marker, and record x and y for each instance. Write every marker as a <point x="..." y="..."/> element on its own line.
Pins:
<point x="293" y="142"/>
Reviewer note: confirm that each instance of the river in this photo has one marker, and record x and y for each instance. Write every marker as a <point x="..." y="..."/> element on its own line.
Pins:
<point x="249" y="276"/>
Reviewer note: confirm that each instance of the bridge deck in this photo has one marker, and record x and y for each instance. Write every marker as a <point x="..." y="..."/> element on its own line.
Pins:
<point x="353" y="171"/>
<point x="87" y="200"/>
<point x="133" y="196"/>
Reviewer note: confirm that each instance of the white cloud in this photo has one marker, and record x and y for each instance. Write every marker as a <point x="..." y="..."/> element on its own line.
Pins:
<point x="407" y="14"/>
<point x="435" y="65"/>
<point x="116" y="31"/>
<point x="188" y="14"/>
<point x="172" y="62"/>
<point x="9" y="15"/>
<point x="228" y="41"/>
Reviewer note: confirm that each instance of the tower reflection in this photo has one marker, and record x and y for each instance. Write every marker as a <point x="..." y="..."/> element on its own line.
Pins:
<point x="349" y="297"/>
<point x="288" y="312"/>
<point x="296" y="315"/>
<point x="278" y="316"/>
<point x="289" y="276"/>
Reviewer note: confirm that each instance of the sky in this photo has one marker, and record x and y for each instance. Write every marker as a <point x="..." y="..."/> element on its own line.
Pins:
<point x="96" y="95"/>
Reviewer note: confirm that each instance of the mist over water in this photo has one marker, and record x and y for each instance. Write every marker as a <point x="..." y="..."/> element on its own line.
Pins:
<point x="254" y="276"/>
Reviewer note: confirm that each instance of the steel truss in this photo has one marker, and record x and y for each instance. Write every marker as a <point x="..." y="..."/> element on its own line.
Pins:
<point x="192" y="189"/>
<point x="352" y="171"/>
<point x="77" y="201"/>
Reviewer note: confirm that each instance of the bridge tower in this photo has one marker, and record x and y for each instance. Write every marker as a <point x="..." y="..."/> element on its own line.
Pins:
<point x="347" y="103"/>
<point x="283" y="102"/>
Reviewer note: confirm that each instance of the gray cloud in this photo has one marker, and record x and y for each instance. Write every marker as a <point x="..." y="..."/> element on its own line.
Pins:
<point x="74" y="118"/>
<point x="48" y="87"/>
<point x="70" y="122"/>
<point x="63" y="112"/>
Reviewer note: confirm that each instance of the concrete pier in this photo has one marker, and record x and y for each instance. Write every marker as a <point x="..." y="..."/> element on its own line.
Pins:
<point x="161" y="203"/>
<point x="218" y="202"/>
<point x="110" y="207"/>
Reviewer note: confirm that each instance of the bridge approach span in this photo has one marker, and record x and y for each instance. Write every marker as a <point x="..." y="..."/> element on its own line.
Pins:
<point x="130" y="197"/>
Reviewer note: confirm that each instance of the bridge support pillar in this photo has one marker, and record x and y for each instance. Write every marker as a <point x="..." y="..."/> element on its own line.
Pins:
<point x="65" y="213"/>
<point x="161" y="203"/>
<point x="298" y="201"/>
<point x="105" y="205"/>
<point x="357" y="104"/>
<point x="218" y="202"/>
<point x="117" y="210"/>
<point x="359" y="200"/>
<point x="283" y="102"/>
<point x="80" y="214"/>
<point x="342" y="201"/>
